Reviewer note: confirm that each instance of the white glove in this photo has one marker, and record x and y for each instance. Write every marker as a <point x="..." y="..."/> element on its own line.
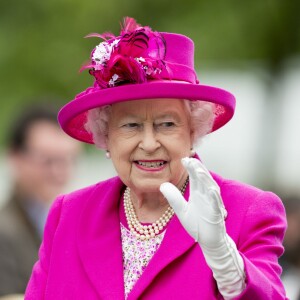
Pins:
<point x="203" y="218"/>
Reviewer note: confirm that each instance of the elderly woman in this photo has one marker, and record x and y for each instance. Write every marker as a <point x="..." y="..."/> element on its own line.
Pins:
<point x="165" y="227"/>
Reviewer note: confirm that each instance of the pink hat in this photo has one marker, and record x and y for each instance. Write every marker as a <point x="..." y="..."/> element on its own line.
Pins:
<point x="141" y="64"/>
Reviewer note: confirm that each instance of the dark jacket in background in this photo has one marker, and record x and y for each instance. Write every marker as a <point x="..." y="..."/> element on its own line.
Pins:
<point x="19" y="244"/>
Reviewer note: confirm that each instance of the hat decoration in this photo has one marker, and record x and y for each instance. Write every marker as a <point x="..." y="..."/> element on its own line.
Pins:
<point x="135" y="56"/>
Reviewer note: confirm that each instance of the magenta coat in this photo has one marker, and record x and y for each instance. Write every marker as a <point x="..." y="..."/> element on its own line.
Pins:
<point x="81" y="254"/>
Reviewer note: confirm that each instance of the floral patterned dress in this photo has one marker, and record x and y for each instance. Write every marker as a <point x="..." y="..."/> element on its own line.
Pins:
<point x="136" y="253"/>
<point x="136" y="256"/>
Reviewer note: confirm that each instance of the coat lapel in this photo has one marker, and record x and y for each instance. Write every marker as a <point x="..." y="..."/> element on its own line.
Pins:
<point x="99" y="240"/>
<point x="175" y="243"/>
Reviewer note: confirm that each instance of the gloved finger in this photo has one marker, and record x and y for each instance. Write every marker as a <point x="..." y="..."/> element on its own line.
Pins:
<point x="205" y="175"/>
<point x="200" y="178"/>
<point x="204" y="169"/>
<point x="217" y="203"/>
<point x="190" y="164"/>
<point x="174" y="197"/>
<point x="202" y="181"/>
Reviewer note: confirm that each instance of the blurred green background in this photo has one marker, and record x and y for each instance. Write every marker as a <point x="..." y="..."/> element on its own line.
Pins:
<point x="42" y="45"/>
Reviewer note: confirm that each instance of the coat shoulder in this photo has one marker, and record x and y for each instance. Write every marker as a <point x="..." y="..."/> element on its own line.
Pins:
<point x="245" y="202"/>
<point x="86" y="192"/>
<point x="243" y="192"/>
<point x="90" y="195"/>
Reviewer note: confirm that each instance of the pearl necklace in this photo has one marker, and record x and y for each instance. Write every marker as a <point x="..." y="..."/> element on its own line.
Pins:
<point x="145" y="232"/>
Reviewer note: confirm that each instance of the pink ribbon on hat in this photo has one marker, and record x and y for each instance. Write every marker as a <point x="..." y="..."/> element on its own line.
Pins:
<point x="179" y="72"/>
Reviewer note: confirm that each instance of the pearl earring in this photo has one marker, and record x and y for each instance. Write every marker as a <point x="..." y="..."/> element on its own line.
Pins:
<point x="107" y="154"/>
<point x="192" y="153"/>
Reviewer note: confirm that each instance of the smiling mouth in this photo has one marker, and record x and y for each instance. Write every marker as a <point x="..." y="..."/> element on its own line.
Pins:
<point x="151" y="164"/>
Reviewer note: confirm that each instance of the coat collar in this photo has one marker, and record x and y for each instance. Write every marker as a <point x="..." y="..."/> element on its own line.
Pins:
<point x="175" y="243"/>
<point x="100" y="248"/>
<point x="99" y="240"/>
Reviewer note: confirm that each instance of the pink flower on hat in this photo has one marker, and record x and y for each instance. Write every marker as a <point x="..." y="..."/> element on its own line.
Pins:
<point x="134" y="57"/>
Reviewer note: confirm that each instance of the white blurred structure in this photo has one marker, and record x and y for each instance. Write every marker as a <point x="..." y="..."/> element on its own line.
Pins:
<point x="259" y="146"/>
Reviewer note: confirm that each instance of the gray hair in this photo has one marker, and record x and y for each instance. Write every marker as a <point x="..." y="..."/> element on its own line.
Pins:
<point x="202" y="115"/>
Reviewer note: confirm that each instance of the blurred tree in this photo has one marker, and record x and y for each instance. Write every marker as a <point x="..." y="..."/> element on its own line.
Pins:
<point x="42" y="47"/>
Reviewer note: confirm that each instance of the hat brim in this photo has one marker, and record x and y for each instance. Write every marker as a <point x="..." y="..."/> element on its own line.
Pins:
<point x="73" y="116"/>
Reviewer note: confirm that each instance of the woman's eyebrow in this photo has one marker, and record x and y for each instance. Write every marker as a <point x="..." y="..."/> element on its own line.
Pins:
<point x="173" y="115"/>
<point x="129" y="116"/>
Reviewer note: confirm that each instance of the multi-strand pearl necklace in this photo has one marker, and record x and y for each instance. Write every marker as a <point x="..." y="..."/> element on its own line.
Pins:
<point x="145" y="232"/>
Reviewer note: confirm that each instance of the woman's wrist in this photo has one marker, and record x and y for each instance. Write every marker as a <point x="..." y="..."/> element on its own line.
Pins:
<point x="227" y="266"/>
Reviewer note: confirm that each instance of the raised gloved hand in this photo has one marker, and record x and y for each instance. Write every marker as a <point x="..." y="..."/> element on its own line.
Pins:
<point x="203" y="218"/>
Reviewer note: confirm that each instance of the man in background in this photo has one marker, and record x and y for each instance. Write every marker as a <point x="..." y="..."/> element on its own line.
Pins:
<point x="41" y="158"/>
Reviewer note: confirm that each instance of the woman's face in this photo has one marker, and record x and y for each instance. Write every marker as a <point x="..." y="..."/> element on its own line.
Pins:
<point x="147" y="140"/>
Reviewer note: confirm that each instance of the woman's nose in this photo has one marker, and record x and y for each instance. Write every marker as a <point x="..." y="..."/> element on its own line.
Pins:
<point x="149" y="142"/>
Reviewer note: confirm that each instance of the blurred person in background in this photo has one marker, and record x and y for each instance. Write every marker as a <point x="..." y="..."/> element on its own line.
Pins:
<point x="165" y="227"/>
<point x="290" y="260"/>
<point x="41" y="158"/>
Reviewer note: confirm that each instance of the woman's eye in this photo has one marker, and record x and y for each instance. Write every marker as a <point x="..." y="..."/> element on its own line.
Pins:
<point x="131" y="125"/>
<point x="167" y="124"/>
